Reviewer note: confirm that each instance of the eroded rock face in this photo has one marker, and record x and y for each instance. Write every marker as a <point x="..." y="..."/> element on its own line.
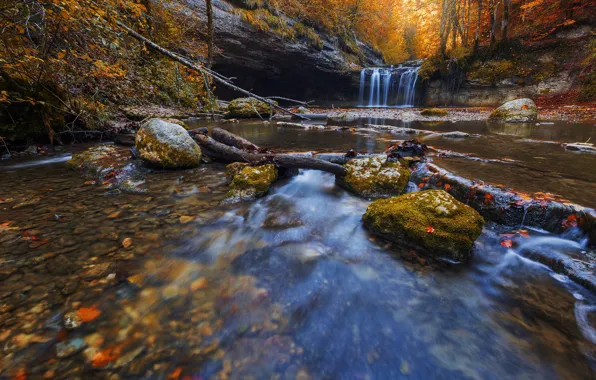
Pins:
<point x="516" y="111"/>
<point x="250" y="182"/>
<point x="167" y="145"/>
<point x="247" y="108"/>
<point x="375" y="177"/>
<point x="431" y="220"/>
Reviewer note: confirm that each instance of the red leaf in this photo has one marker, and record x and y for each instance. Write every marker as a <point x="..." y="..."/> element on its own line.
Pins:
<point x="447" y="187"/>
<point x="430" y="230"/>
<point x="507" y="243"/>
<point x="488" y="198"/>
<point x="88" y="314"/>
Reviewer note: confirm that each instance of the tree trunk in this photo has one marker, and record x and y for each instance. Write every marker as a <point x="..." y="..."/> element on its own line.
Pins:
<point x="492" y="10"/>
<point x="210" y="28"/>
<point x="478" y="22"/>
<point x="505" y="22"/>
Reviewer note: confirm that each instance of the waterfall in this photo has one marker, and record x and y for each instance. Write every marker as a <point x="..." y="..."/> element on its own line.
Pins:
<point x="389" y="86"/>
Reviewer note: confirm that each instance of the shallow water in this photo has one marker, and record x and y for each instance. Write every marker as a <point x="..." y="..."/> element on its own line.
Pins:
<point x="290" y="286"/>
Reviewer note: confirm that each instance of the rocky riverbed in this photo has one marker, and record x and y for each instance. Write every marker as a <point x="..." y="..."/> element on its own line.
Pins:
<point x="158" y="279"/>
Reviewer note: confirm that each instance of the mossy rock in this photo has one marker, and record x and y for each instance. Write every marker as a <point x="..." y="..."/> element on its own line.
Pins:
<point x="98" y="158"/>
<point x="234" y="168"/>
<point x="516" y="111"/>
<point x="247" y="108"/>
<point x="250" y="182"/>
<point x="342" y="118"/>
<point x="167" y="145"/>
<point x="375" y="177"/>
<point x="436" y="112"/>
<point x="432" y="220"/>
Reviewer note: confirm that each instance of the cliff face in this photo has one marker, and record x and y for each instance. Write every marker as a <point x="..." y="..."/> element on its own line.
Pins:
<point x="270" y="64"/>
<point x="549" y="69"/>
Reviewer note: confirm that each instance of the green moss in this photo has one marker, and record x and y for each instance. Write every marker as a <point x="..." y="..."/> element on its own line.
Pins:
<point x="375" y="177"/>
<point x="234" y="168"/>
<point x="166" y="155"/>
<point x="432" y="220"/>
<point x="434" y="112"/>
<point x="250" y="182"/>
<point x="248" y="108"/>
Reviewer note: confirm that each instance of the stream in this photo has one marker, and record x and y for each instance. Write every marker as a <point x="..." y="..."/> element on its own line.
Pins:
<point x="290" y="286"/>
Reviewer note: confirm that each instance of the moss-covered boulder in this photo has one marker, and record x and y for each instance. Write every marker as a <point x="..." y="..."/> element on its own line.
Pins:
<point x="375" y="177"/>
<point x="250" y="182"/>
<point x="247" y="108"/>
<point x="516" y="111"/>
<point x="430" y="220"/>
<point x="434" y="112"/>
<point x="167" y="145"/>
<point x="341" y="118"/>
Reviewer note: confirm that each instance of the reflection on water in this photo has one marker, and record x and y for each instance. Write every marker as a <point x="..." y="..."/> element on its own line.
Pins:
<point x="290" y="286"/>
<point x="538" y="166"/>
<point x="513" y="129"/>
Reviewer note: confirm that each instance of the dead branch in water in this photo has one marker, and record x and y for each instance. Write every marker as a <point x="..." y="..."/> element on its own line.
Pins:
<point x="228" y="138"/>
<point x="217" y="77"/>
<point x="222" y="152"/>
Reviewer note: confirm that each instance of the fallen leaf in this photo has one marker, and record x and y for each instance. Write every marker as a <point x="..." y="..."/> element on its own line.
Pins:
<point x="447" y="187"/>
<point x="430" y="229"/>
<point x="185" y="219"/>
<point x="524" y="233"/>
<point x="201" y="283"/>
<point x="103" y="358"/>
<point x="127" y="242"/>
<point x="488" y="198"/>
<point x="507" y="243"/>
<point x="88" y="314"/>
<point x="21" y="375"/>
<point x="89" y="183"/>
<point x="175" y="375"/>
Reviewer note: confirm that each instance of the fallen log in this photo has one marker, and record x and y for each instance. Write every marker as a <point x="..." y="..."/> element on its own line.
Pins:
<point x="222" y="152"/>
<point x="230" y="139"/>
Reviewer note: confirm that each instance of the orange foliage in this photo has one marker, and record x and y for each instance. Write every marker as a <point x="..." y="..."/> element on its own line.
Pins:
<point x="88" y="314"/>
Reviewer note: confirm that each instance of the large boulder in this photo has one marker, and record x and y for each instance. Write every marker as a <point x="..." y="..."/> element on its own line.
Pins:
<point x="249" y="182"/>
<point x="375" y="177"/>
<point x="430" y="220"/>
<point x="342" y="118"/>
<point x="167" y="145"/>
<point x="516" y="111"/>
<point x="246" y="108"/>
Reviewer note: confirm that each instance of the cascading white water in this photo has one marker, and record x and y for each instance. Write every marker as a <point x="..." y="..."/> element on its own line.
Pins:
<point x="389" y="86"/>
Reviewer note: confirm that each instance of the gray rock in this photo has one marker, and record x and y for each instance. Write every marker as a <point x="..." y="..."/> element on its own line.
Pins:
<point x="343" y="118"/>
<point x="69" y="347"/>
<point x="516" y="111"/>
<point x="167" y="145"/>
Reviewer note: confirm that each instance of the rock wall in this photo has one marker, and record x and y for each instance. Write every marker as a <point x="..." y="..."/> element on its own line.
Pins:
<point x="473" y="94"/>
<point x="554" y="65"/>
<point x="270" y="65"/>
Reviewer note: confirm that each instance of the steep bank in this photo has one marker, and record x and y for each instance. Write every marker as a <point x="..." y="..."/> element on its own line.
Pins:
<point x="276" y="55"/>
<point x="556" y="69"/>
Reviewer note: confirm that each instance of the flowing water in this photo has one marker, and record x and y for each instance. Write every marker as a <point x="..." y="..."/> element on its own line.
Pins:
<point x="289" y="286"/>
<point x="389" y="86"/>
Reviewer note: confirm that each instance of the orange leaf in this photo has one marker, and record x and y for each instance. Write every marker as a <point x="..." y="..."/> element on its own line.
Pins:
<point x="102" y="358"/>
<point x="21" y="375"/>
<point x="447" y="187"/>
<point x="524" y="233"/>
<point x="430" y="230"/>
<point x="507" y="243"/>
<point x="88" y="314"/>
<point x="421" y="185"/>
<point x="488" y="198"/>
<point x="127" y="242"/>
<point x="175" y="375"/>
